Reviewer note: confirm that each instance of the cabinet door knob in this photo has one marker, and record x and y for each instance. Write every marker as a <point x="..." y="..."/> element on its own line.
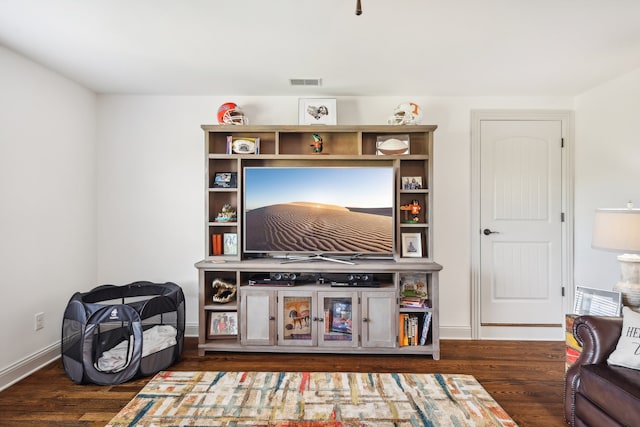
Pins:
<point x="272" y="318"/>
<point x="365" y="319"/>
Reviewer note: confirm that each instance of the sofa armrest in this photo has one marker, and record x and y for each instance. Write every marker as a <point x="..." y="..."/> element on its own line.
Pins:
<point x="598" y="336"/>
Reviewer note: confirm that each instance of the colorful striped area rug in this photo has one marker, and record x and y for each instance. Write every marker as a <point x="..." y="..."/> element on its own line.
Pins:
<point x="311" y="399"/>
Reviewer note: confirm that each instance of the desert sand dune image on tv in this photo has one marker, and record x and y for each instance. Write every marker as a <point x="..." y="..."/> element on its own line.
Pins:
<point x="319" y="210"/>
<point x="319" y="228"/>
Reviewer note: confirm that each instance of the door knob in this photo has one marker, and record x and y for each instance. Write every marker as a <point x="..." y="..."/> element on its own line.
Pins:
<point x="486" y="232"/>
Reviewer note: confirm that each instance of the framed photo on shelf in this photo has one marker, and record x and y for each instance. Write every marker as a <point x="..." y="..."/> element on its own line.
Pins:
<point x="411" y="182"/>
<point x="225" y="180"/>
<point x="392" y="144"/>
<point x="597" y="302"/>
<point x="222" y="324"/>
<point x="230" y="244"/>
<point x="411" y="245"/>
<point x="317" y="111"/>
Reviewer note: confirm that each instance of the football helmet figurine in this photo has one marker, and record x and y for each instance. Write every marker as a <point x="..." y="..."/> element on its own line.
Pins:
<point x="406" y="114"/>
<point x="230" y="114"/>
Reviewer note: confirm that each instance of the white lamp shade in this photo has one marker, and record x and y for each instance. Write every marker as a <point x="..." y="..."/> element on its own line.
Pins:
<point x="617" y="230"/>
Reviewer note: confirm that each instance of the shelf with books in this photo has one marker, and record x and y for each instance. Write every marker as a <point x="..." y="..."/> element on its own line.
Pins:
<point x="416" y="309"/>
<point x="414" y="328"/>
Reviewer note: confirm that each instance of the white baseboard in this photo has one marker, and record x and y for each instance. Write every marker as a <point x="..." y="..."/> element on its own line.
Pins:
<point x="522" y="333"/>
<point x="504" y="333"/>
<point x="29" y="365"/>
<point x="455" y="332"/>
<point x="191" y="330"/>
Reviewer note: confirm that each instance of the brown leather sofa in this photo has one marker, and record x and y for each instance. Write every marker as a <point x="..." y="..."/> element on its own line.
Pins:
<point x="596" y="394"/>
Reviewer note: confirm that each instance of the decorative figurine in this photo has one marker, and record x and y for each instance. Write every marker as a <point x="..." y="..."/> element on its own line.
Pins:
<point x="228" y="214"/>
<point x="408" y="113"/>
<point x="412" y="208"/>
<point x="317" y="143"/>
<point x="223" y="291"/>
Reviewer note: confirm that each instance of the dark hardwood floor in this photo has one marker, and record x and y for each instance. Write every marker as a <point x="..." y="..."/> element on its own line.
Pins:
<point x="524" y="377"/>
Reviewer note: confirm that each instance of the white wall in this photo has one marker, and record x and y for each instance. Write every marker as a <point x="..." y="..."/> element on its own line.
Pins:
<point x="151" y="183"/>
<point x="126" y="189"/>
<point x="607" y="169"/>
<point x="47" y="196"/>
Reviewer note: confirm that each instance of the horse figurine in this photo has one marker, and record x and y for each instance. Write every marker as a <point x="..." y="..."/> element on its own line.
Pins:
<point x="299" y="318"/>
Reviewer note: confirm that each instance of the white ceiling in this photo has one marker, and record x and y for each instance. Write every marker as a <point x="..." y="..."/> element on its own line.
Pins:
<point x="396" y="47"/>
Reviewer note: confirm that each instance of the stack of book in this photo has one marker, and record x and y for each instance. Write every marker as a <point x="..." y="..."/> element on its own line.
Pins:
<point x="414" y="302"/>
<point x="216" y="244"/>
<point x="413" y="330"/>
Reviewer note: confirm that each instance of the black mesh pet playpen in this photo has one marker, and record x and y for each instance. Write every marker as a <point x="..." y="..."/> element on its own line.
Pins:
<point x="112" y="334"/>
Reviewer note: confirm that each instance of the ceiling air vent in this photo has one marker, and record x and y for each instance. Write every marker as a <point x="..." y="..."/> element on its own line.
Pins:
<point x="305" y="82"/>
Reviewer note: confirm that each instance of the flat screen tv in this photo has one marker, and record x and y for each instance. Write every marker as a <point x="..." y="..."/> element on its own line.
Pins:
<point x="321" y="212"/>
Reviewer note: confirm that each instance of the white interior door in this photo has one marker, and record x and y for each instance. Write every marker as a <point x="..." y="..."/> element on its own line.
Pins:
<point x="520" y="221"/>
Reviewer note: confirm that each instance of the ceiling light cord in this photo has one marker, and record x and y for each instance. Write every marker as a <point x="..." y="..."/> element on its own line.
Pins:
<point x="358" y="8"/>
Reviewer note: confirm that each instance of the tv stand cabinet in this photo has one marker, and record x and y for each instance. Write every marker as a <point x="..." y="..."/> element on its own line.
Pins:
<point x="308" y="314"/>
<point x="360" y="316"/>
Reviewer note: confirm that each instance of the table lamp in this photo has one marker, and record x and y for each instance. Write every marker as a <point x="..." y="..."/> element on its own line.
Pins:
<point x="618" y="230"/>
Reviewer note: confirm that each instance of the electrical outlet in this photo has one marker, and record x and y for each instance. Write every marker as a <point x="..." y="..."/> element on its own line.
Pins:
<point x="39" y="321"/>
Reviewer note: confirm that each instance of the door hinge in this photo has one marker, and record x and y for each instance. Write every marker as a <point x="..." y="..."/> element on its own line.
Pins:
<point x="562" y="217"/>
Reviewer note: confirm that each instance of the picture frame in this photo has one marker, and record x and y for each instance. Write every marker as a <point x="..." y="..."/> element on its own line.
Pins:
<point x="597" y="302"/>
<point x="317" y="111"/>
<point x="412" y="183"/>
<point x="225" y="180"/>
<point x="243" y="145"/>
<point x="230" y="243"/>
<point x="411" y="245"/>
<point x="389" y="145"/>
<point x="222" y="324"/>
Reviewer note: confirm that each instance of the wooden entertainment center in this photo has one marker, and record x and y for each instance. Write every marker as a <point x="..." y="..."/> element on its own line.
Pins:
<point x="361" y="306"/>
